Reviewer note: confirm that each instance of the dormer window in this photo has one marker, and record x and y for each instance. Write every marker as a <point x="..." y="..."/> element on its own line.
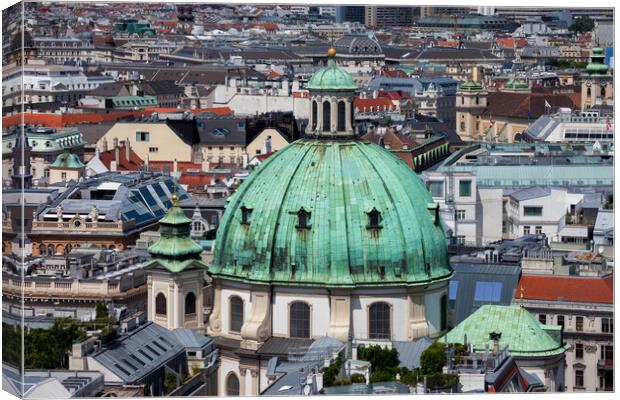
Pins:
<point x="374" y="219"/>
<point x="246" y="214"/>
<point x="303" y="219"/>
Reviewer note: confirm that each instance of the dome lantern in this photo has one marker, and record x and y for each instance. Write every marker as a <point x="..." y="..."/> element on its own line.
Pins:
<point x="332" y="94"/>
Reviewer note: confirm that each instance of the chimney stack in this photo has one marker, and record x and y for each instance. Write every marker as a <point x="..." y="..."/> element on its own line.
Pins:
<point x="127" y="149"/>
<point x="117" y="154"/>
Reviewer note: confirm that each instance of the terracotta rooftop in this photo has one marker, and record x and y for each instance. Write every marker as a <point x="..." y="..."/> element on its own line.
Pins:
<point x="565" y="288"/>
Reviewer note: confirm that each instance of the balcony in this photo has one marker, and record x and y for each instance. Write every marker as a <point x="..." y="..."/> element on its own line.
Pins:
<point x="70" y="288"/>
<point x="66" y="226"/>
<point x="605" y="364"/>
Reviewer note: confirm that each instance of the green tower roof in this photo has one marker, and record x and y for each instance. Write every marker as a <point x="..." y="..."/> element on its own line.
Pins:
<point x="597" y="64"/>
<point x="516" y="84"/>
<point x="523" y="334"/>
<point x="368" y="221"/>
<point x="471" y="86"/>
<point x="331" y="77"/>
<point x="175" y="250"/>
<point x="67" y="160"/>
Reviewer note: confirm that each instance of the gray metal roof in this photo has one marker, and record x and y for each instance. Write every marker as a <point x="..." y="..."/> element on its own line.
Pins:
<point x="409" y="352"/>
<point x="191" y="339"/>
<point x="141" y="352"/>
<point x="465" y="279"/>
<point x="531" y="193"/>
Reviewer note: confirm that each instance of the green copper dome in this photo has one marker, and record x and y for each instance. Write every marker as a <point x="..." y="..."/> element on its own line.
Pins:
<point x="175" y="250"/>
<point x="67" y="160"/>
<point x="331" y="78"/>
<point x="524" y="335"/>
<point x="335" y="213"/>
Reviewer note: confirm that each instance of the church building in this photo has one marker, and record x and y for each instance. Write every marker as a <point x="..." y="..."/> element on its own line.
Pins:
<point x="332" y="236"/>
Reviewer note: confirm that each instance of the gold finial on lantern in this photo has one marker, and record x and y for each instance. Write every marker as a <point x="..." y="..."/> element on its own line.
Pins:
<point x="331" y="52"/>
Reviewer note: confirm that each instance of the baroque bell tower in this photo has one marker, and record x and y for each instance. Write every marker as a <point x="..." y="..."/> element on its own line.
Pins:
<point x="176" y="274"/>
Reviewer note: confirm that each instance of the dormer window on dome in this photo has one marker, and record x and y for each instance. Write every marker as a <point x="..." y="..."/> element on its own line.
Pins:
<point x="303" y="219"/>
<point x="374" y="219"/>
<point x="246" y="215"/>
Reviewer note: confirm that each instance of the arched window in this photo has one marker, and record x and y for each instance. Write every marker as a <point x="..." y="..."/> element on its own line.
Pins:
<point x="602" y="92"/>
<point x="190" y="303"/>
<point x="314" y="114"/>
<point x="160" y="304"/>
<point x="236" y="314"/>
<point x="462" y="99"/>
<point x="299" y="319"/>
<point x="589" y="92"/>
<point x="443" y="306"/>
<point x="477" y="100"/>
<point x="327" y="116"/>
<point x="50" y="250"/>
<point x="42" y="250"/>
<point x="342" y="118"/>
<point x="379" y="324"/>
<point x="232" y="385"/>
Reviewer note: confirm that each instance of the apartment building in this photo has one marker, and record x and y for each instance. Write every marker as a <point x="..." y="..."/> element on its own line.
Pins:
<point x="583" y="306"/>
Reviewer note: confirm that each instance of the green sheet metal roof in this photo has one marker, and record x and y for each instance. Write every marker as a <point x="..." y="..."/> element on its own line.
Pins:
<point x="175" y="250"/>
<point x="46" y="142"/>
<point x="331" y="78"/>
<point x="339" y="183"/>
<point x="523" y="334"/>
<point x="67" y="160"/>
<point x="130" y="101"/>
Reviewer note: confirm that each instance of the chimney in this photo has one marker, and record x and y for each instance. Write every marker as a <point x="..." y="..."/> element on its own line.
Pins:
<point x="117" y="154"/>
<point x="127" y="149"/>
<point x="495" y="337"/>
<point x="267" y="145"/>
<point x="113" y="166"/>
<point x="146" y="163"/>
<point x="175" y="166"/>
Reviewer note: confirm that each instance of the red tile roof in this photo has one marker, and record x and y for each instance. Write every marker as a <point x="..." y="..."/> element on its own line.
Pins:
<point x="376" y="104"/>
<point x="124" y="164"/>
<point x="60" y="120"/>
<point x="518" y="105"/>
<point x="563" y="288"/>
<point x="182" y="166"/>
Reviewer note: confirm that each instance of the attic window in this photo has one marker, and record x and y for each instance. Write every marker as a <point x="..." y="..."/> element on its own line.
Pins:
<point x="374" y="219"/>
<point x="220" y="132"/>
<point x="303" y="219"/>
<point x="246" y="213"/>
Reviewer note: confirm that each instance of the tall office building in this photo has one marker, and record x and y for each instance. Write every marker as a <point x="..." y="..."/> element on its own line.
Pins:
<point x="350" y="14"/>
<point x="382" y="17"/>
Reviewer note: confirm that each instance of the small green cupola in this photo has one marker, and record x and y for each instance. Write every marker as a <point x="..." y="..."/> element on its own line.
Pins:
<point x="597" y="64"/>
<point x="67" y="160"/>
<point x="516" y="85"/>
<point x="175" y="250"/>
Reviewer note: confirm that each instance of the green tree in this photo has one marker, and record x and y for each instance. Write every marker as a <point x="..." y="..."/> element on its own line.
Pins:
<point x="47" y="348"/>
<point x="12" y="345"/>
<point x="433" y="359"/>
<point x="170" y="382"/>
<point x="101" y="311"/>
<point x="582" y="25"/>
<point x="331" y="372"/>
<point x="384" y="362"/>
